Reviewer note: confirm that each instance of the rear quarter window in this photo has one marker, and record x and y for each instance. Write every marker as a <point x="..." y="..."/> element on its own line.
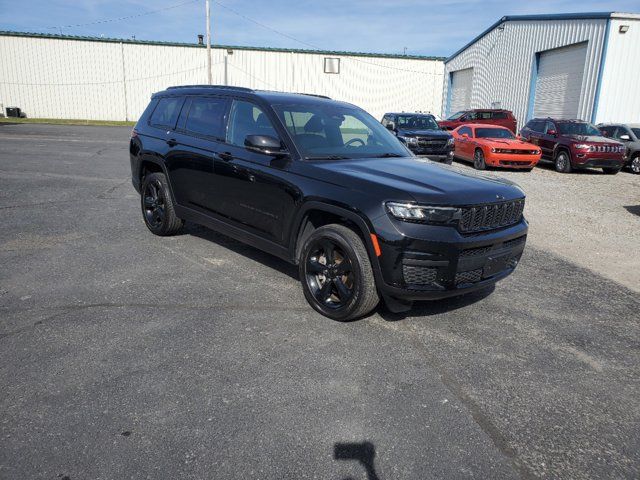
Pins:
<point x="166" y="113"/>
<point x="500" y="115"/>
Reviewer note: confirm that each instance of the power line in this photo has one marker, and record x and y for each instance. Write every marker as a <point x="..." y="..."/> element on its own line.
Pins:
<point x="241" y="15"/>
<point x="119" y="19"/>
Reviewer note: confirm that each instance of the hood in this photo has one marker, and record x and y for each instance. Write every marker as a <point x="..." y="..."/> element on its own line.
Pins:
<point x="424" y="133"/>
<point x="422" y="180"/>
<point x="591" y="139"/>
<point x="510" y="142"/>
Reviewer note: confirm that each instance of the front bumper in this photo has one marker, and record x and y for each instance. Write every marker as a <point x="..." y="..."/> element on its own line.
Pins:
<point x="510" y="160"/>
<point x="597" y="160"/>
<point x="439" y="155"/>
<point x="423" y="262"/>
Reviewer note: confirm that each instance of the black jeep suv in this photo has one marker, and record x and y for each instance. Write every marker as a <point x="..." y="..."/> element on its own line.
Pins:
<point x="323" y="185"/>
<point x="421" y="134"/>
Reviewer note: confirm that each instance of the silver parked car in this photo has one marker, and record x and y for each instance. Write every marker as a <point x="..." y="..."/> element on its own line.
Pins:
<point x="629" y="134"/>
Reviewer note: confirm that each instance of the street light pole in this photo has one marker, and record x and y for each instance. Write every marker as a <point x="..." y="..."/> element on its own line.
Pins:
<point x="209" y="79"/>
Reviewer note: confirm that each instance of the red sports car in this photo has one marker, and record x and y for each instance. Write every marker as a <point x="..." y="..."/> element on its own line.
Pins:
<point x="493" y="146"/>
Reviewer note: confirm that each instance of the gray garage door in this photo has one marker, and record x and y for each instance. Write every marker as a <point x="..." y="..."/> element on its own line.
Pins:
<point x="461" y="82"/>
<point x="559" y="82"/>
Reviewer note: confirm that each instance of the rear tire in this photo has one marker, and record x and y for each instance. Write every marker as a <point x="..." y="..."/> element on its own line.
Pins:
<point x="478" y="160"/>
<point x="336" y="274"/>
<point x="611" y="170"/>
<point x="563" y="162"/>
<point x="157" y="206"/>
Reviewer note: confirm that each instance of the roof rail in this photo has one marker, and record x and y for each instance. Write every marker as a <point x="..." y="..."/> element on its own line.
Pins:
<point x="315" y="95"/>
<point x="227" y="87"/>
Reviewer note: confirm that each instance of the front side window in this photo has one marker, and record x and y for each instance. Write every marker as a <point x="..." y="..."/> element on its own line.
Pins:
<point x="636" y="132"/>
<point x="334" y="131"/>
<point x="245" y="119"/>
<point x="484" y="116"/>
<point x="578" y="128"/>
<point x="206" y="116"/>
<point x="608" y="131"/>
<point x="549" y="126"/>
<point x="493" y="133"/>
<point x="166" y="113"/>
<point x="418" y="122"/>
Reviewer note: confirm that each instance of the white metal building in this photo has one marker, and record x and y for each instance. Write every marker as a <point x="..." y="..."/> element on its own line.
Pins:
<point x="53" y="76"/>
<point x="565" y="66"/>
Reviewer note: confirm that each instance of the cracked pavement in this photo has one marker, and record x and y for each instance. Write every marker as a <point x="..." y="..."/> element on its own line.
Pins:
<point x="125" y="355"/>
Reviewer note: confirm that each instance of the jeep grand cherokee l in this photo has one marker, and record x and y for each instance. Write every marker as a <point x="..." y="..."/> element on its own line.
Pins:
<point x="323" y="185"/>
<point x="574" y="144"/>
<point x="421" y="134"/>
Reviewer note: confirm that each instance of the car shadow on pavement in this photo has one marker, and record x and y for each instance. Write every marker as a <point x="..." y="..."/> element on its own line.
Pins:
<point x="436" y="307"/>
<point x="362" y="452"/>
<point x="635" y="209"/>
<point x="242" y="249"/>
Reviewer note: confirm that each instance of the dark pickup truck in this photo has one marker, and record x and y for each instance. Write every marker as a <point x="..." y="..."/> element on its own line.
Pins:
<point x="323" y="185"/>
<point x="421" y="134"/>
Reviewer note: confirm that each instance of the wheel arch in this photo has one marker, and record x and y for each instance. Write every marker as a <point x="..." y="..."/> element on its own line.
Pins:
<point x="314" y="214"/>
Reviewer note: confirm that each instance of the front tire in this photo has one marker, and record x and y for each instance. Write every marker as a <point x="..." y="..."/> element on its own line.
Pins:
<point x="634" y="166"/>
<point x="478" y="160"/>
<point x="336" y="274"/>
<point x="157" y="206"/>
<point x="563" y="162"/>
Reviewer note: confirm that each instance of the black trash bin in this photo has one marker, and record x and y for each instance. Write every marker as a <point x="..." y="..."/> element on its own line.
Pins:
<point x="14" y="112"/>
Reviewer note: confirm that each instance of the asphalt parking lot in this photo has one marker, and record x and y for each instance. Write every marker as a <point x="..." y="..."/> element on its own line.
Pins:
<point x="125" y="355"/>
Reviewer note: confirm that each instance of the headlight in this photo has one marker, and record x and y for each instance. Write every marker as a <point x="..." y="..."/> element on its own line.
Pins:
<point x="408" y="140"/>
<point x="450" y="141"/>
<point x="584" y="146"/>
<point x="423" y="213"/>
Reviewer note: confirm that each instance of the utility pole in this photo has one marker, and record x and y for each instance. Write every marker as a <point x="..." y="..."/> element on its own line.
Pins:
<point x="209" y="80"/>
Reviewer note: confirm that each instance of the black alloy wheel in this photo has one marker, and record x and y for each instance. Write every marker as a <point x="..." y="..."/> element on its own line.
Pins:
<point x="157" y="206"/>
<point x="329" y="274"/>
<point x="153" y="203"/>
<point x="336" y="273"/>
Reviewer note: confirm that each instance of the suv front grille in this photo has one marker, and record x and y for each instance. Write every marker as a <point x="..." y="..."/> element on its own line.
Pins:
<point x="492" y="216"/>
<point x="430" y="143"/>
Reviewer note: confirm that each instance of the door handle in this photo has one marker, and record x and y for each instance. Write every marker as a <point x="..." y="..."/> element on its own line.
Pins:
<point x="226" y="156"/>
<point x="172" y="142"/>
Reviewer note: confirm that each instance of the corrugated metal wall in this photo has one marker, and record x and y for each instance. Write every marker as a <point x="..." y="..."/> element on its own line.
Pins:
<point x="64" y="78"/>
<point x="619" y="99"/>
<point x="503" y="59"/>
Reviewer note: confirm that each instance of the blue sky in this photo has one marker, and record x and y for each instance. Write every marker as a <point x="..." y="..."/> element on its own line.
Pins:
<point x="434" y="27"/>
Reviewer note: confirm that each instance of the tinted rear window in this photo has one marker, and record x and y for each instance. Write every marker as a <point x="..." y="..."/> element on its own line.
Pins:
<point x="499" y="115"/>
<point x="206" y="116"/>
<point x="166" y="113"/>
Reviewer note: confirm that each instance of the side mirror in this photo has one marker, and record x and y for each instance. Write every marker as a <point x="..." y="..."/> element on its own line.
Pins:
<point x="625" y="137"/>
<point x="265" y="144"/>
<point x="391" y="126"/>
<point x="465" y="135"/>
<point x="553" y="133"/>
<point x="444" y="128"/>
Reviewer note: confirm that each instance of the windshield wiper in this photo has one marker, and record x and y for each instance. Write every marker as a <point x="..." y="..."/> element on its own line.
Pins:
<point x="327" y="157"/>
<point x="389" y="155"/>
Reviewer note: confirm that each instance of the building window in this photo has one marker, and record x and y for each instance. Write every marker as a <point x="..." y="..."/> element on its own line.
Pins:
<point x="331" y="65"/>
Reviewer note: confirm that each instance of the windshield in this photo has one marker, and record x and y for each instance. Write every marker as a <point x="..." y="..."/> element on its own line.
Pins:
<point x="493" y="133"/>
<point x="417" y="122"/>
<point x="577" y="128"/>
<point x="334" y="131"/>
<point x="456" y="115"/>
<point x="636" y="132"/>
